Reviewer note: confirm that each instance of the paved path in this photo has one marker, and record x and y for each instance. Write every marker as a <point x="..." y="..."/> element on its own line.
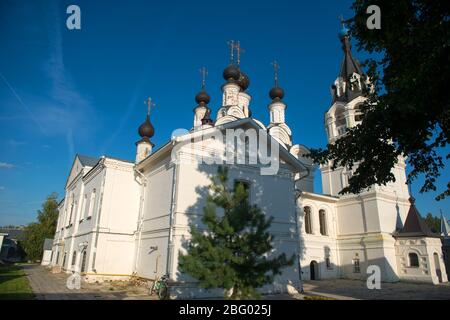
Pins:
<point x="51" y="286"/>
<point x="345" y="289"/>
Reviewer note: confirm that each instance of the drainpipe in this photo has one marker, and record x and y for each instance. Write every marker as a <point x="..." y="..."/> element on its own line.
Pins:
<point x="172" y="211"/>
<point x="99" y="212"/>
<point x="143" y="184"/>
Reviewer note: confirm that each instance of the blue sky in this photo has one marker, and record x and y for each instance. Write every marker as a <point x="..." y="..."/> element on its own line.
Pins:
<point x="65" y="92"/>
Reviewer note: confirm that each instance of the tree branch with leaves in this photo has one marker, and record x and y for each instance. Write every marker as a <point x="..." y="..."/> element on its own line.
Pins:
<point x="408" y="112"/>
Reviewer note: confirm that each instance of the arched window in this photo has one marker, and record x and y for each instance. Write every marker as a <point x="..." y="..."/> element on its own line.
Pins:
<point x="83" y="262"/>
<point x="358" y="113"/>
<point x="308" y="225"/>
<point x="340" y="117"/>
<point x="413" y="260"/>
<point x="340" y="122"/>
<point x="323" y="222"/>
<point x="74" y="258"/>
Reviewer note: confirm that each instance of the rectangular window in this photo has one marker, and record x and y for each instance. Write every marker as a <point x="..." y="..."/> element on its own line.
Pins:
<point x="71" y="213"/>
<point x="75" y="207"/>
<point x="91" y="204"/>
<point x="356" y="267"/>
<point x="328" y="263"/>
<point x="74" y="258"/>
<point x="64" y="260"/>
<point x="83" y="262"/>
<point x="84" y="207"/>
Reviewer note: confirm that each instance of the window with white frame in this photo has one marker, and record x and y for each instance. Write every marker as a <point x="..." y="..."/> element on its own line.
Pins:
<point x="307" y="219"/>
<point x="84" y="207"/>
<point x="359" y="114"/>
<point x="74" y="258"/>
<point x="91" y="203"/>
<point x="413" y="260"/>
<point x="72" y="206"/>
<point x="323" y="222"/>
<point x="356" y="264"/>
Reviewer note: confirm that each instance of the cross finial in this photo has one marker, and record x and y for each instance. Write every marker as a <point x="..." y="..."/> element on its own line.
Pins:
<point x="204" y="73"/>
<point x="239" y="50"/>
<point x="231" y="45"/>
<point x="276" y="68"/>
<point x="149" y="104"/>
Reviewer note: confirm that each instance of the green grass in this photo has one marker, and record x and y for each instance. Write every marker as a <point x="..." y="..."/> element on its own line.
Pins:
<point x="14" y="284"/>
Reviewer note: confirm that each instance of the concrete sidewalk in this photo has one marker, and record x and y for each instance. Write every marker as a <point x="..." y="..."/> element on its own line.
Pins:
<point x="51" y="286"/>
<point x="343" y="289"/>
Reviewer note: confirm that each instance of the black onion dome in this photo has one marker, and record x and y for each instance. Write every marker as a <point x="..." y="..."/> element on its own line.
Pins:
<point x="231" y="73"/>
<point x="146" y="129"/>
<point x="244" y="81"/>
<point x="276" y="93"/>
<point x="202" y="97"/>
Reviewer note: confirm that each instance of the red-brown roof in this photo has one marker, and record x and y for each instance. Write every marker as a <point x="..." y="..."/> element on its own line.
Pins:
<point x="414" y="225"/>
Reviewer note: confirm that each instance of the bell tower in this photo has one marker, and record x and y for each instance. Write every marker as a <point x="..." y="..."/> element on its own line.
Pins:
<point x="349" y="92"/>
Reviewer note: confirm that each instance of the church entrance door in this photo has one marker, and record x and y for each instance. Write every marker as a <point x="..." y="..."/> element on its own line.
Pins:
<point x="314" y="270"/>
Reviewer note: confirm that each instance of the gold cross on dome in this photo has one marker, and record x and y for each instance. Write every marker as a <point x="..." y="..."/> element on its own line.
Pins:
<point x="204" y="73"/>
<point x="239" y="50"/>
<point x="149" y="104"/>
<point x="276" y="68"/>
<point x="232" y="47"/>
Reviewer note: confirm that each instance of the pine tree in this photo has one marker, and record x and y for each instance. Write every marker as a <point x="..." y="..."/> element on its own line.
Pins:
<point x="231" y="252"/>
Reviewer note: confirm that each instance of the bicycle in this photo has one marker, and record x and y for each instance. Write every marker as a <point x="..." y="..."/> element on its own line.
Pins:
<point x="161" y="287"/>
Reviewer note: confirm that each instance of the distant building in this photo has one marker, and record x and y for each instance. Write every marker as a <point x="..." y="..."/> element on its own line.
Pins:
<point x="10" y="249"/>
<point x="47" y="252"/>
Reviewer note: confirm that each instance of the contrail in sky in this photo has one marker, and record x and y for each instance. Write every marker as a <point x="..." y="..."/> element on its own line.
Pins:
<point x="19" y="99"/>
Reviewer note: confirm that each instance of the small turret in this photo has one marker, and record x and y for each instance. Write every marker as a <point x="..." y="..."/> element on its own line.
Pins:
<point x="277" y="127"/>
<point x="146" y="131"/>
<point x="202" y="99"/>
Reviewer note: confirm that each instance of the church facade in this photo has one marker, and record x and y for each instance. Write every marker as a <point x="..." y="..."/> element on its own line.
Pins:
<point x="121" y="219"/>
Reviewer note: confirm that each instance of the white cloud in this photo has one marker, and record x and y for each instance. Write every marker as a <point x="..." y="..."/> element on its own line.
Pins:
<point x="2" y="188"/>
<point x="5" y="165"/>
<point x="68" y="110"/>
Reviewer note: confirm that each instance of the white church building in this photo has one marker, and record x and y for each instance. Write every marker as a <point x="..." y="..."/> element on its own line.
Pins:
<point x="121" y="219"/>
